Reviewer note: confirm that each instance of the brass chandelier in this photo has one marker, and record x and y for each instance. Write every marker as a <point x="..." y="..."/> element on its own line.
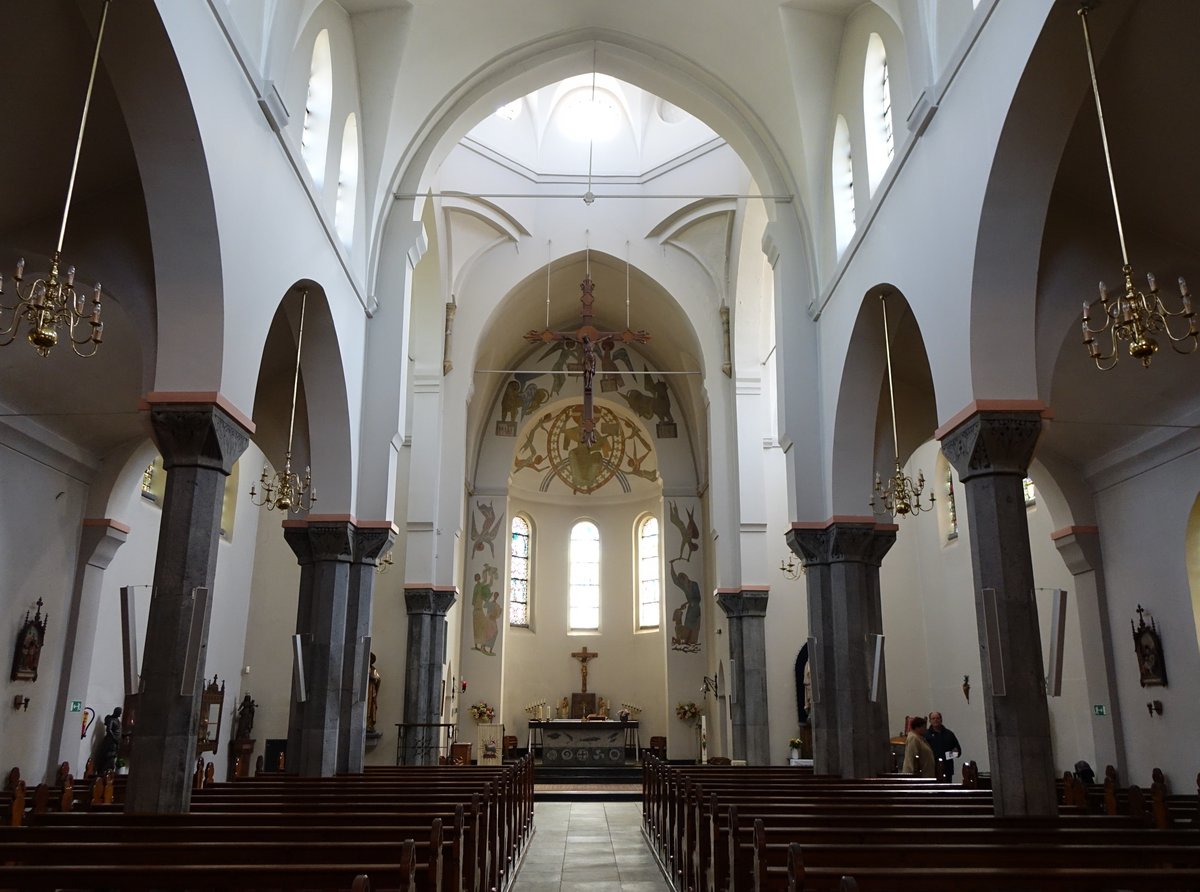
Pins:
<point x="899" y="495"/>
<point x="51" y="302"/>
<point x="1134" y="316"/>
<point x="285" y="491"/>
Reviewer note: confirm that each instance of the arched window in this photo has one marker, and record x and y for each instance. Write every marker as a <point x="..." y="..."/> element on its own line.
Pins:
<point x="314" y="139"/>
<point x="951" y="507"/>
<point x="347" y="187"/>
<point x="649" y="584"/>
<point x="584" y="588"/>
<point x="1030" y="492"/>
<point x="877" y="112"/>
<point x="843" y="186"/>
<point x="520" y="554"/>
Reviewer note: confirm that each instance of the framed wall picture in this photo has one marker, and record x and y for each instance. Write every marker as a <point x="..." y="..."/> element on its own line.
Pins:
<point x="1148" y="647"/>
<point x="30" y="638"/>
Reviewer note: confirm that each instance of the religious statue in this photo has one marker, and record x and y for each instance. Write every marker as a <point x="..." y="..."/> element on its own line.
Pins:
<point x="374" y="680"/>
<point x="564" y="708"/>
<point x="110" y="745"/>
<point x="602" y="707"/>
<point x="245" y="719"/>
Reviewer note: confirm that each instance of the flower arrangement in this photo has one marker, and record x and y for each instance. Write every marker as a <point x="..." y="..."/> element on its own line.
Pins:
<point x="687" y="712"/>
<point x="482" y="712"/>
<point x="794" y="743"/>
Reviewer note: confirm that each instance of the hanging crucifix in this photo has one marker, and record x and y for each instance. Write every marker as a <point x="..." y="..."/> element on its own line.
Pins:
<point x="589" y="339"/>
<point x="583" y="656"/>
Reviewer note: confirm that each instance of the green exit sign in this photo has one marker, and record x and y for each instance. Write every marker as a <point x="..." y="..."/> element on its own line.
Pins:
<point x="76" y="706"/>
<point x="1100" y="709"/>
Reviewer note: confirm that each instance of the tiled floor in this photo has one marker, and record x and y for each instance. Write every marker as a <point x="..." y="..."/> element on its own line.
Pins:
<point x="589" y="847"/>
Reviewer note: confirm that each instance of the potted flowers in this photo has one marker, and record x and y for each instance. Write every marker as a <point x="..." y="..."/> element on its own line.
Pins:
<point x="794" y="743"/>
<point x="687" y="712"/>
<point x="482" y="712"/>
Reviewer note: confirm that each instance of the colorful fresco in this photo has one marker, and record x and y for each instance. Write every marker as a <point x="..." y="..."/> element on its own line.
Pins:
<point x="553" y="448"/>
<point x="485" y="535"/>
<point x="486" y="609"/>
<point x="686" y="616"/>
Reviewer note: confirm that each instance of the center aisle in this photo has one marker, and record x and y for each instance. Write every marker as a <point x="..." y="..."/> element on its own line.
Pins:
<point x="589" y="847"/>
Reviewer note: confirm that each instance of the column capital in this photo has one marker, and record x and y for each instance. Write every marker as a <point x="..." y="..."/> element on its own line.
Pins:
<point x="428" y="599"/>
<point x="858" y="540"/>
<point x="197" y="434"/>
<point x="313" y="541"/>
<point x="993" y="441"/>
<point x="739" y="603"/>
<point x="372" y="540"/>
<point x="1079" y="547"/>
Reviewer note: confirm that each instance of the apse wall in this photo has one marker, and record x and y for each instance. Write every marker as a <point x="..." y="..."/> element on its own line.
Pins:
<point x="927" y="586"/>
<point x="1143" y="524"/>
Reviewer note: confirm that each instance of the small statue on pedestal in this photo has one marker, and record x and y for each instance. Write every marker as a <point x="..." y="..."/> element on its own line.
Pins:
<point x="374" y="680"/>
<point x="245" y="719"/>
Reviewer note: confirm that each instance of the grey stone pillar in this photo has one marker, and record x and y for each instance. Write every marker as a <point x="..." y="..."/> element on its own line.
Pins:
<point x="99" y="540"/>
<point x="747" y="612"/>
<point x="427" y="608"/>
<point x="324" y="550"/>
<point x="850" y="732"/>
<point x="370" y="541"/>
<point x="199" y="443"/>
<point x="1081" y="552"/>
<point x="991" y="452"/>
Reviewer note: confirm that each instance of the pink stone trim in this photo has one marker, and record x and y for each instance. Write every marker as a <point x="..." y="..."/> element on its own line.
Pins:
<point x="106" y="522"/>
<point x="977" y="406"/>
<point x="1082" y="529"/>
<point x="207" y="397"/>
<point x="842" y="518"/>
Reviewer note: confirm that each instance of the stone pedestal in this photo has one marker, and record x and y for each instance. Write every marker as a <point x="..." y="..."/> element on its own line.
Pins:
<point x="991" y="452"/>
<point x="241" y="751"/>
<point x="746" y="610"/>
<point x="324" y="550"/>
<point x="199" y="443"/>
<point x="370" y="540"/>
<point x="850" y="732"/>
<point x="426" y="656"/>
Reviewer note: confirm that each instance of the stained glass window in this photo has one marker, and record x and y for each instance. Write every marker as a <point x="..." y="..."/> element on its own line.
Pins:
<point x="584" y="595"/>
<point x="148" y="483"/>
<point x="951" y="507"/>
<point x="520" y="553"/>
<point x="885" y="102"/>
<point x="649" y="588"/>
<point x="1030" y="492"/>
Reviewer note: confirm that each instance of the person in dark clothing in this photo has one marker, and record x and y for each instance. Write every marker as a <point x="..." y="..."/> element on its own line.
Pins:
<point x="944" y="744"/>
<point x="1084" y="773"/>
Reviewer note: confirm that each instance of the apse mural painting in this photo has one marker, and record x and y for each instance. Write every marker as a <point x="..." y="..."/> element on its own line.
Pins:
<point x="486" y="610"/>
<point x="485" y="535"/>
<point x="654" y="401"/>
<point x="554" y="449"/>
<point x="686" y="616"/>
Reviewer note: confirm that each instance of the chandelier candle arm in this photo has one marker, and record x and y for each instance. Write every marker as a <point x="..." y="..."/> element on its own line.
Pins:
<point x="1134" y="316"/>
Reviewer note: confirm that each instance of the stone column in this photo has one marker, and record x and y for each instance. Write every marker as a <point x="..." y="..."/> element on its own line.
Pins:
<point x="324" y="549"/>
<point x="199" y="443"/>
<point x="991" y="451"/>
<point x="98" y="543"/>
<point x="427" y="606"/>
<point x="747" y="611"/>
<point x="370" y="540"/>
<point x="1081" y="552"/>
<point x="841" y="560"/>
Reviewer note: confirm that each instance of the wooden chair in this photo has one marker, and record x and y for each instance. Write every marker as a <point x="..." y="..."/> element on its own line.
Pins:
<point x="658" y="747"/>
<point x="460" y="754"/>
<point x="508" y="747"/>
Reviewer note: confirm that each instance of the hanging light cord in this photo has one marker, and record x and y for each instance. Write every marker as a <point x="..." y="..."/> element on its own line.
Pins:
<point x="592" y="128"/>
<point x="627" y="284"/>
<point x="887" y="349"/>
<point x="549" y="258"/>
<point x="296" y="379"/>
<point x="1112" y="182"/>
<point x="87" y="103"/>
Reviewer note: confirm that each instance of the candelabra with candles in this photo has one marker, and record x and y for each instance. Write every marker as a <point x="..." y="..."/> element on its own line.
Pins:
<point x="286" y="491"/>
<point x="1134" y="316"/>
<point x="899" y="495"/>
<point x="50" y="302"/>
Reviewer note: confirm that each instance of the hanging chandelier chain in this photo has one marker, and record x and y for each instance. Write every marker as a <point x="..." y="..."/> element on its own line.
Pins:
<point x="87" y="104"/>
<point x="296" y="377"/>
<point x="1112" y="181"/>
<point x="887" y="349"/>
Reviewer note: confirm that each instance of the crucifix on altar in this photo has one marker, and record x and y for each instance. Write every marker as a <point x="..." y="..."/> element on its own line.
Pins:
<point x="582" y="703"/>
<point x="589" y="339"/>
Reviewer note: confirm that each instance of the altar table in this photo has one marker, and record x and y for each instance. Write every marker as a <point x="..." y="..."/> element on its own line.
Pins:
<point x="574" y="742"/>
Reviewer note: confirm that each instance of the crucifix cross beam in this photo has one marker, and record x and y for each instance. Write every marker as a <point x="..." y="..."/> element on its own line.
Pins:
<point x="583" y="656"/>
<point x="588" y="338"/>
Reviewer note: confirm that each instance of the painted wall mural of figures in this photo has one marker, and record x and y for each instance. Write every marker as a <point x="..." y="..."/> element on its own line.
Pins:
<point x="485" y="536"/>
<point x="486" y="609"/>
<point x="686" y="616"/>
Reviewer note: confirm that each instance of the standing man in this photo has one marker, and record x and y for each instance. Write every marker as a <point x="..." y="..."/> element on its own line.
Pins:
<point x="945" y="746"/>
<point x="918" y="757"/>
